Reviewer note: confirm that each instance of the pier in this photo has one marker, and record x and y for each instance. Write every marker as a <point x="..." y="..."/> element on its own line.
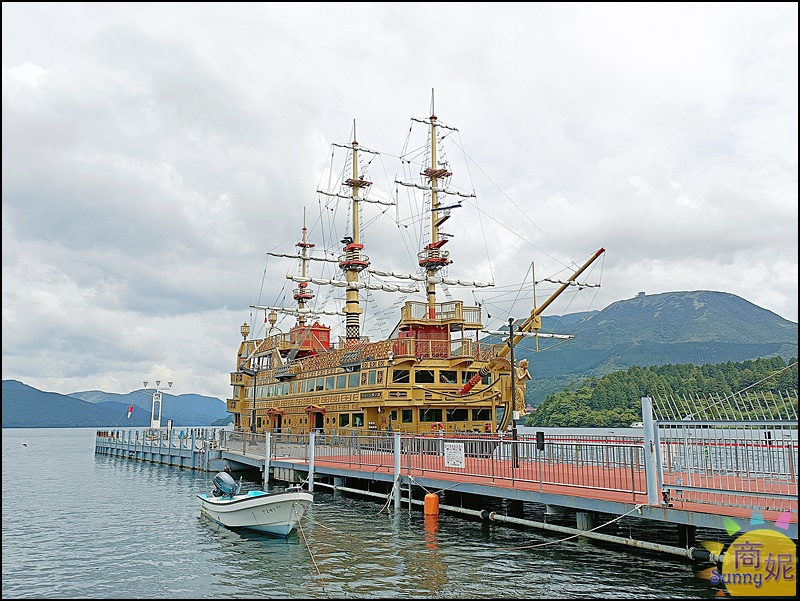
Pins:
<point x="699" y="473"/>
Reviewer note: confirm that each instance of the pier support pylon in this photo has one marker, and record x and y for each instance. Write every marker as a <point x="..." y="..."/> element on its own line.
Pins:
<point x="687" y="536"/>
<point x="585" y="520"/>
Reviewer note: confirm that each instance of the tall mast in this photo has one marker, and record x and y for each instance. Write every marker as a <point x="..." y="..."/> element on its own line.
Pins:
<point x="432" y="258"/>
<point x="302" y="293"/>
<point x="353" y="262"/>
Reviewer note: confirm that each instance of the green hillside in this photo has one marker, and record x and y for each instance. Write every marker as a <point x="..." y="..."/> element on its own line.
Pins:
<point x="614" y="400"/>
<point x="674" y="328"/>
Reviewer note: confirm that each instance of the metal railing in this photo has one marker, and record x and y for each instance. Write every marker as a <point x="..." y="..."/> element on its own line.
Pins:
<point x="589" y="465"/>
<point x="737" y="450"/>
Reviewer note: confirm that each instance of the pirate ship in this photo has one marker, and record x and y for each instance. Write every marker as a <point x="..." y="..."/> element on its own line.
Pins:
<point x="437" y="369"/>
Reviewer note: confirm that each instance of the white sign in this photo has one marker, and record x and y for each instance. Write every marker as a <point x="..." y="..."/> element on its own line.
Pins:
<point x="454" y="454"/>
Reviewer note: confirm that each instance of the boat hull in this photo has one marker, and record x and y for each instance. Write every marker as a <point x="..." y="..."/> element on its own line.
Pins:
<point x="274" y="513"/>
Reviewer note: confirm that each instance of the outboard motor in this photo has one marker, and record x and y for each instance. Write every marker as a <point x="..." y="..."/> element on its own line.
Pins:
<point x="225" y="486"/>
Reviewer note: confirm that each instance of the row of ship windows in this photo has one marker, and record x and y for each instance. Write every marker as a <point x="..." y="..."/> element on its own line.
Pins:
<point x="432" y="416"/>
<point x="365" y="378"/>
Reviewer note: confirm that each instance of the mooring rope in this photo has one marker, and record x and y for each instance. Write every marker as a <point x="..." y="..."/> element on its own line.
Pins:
<point x="308" y="548"/>
<point x="441" y="490"/>
<point x="638" y="508"/>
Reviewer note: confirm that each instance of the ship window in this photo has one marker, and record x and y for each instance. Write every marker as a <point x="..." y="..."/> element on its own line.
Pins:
<point x="363" y="378"/>
<point x="329" y="383"/>
<point x="393" y="415"/>
<point x="458" y="415"/>
<point x="258" y="422"/>
<point x="408" y="416"/>
<point x="430" y="415"/>
<point x="481" y="415"/>
<point x="372" y="377"/>
<point x="380" y="377"/>
<point x="447" y="377"/>
<point x="320" y="383"/>
<point x="358" y="420"/>
<point x="341" y="381"/>
<point x="286" y="388"/>
<point x="400" y="376"/>
<point x="344" y="420"/>
<point x="424" y="376"/>
<point x="271" y="391"/>
<point x="467" y="375"/>
<point x="352" y="380"/>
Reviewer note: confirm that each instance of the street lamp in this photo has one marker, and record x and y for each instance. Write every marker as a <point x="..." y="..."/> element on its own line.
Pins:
<point x="155" y="410"/>
<point x="514" y="412"/>
<point x="253" y="413"/>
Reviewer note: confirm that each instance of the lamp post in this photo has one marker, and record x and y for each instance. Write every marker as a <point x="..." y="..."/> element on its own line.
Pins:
<point x="253" y="413"/>
<point x="249" y="371"/>
<point x="155" y="410"/>
<point x="514" y="412"/>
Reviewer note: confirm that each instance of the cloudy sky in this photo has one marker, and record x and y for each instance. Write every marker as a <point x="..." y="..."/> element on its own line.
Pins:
<point x="154" y="153"/>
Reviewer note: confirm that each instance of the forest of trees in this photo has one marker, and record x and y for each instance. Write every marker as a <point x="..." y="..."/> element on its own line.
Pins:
<point x="614" y="400"/>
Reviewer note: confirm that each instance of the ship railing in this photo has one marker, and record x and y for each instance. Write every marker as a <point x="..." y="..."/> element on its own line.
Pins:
<point x="444" y="313"/>
<point x="438" y="349"/>
<point x="266" y="345"/>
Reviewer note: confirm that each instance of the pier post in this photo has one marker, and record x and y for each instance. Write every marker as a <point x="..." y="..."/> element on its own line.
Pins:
<point x="650" y="450"/>
<point x="396" y="487"/>
<point x="267" y="438"/>
<point x="311" y="461"/>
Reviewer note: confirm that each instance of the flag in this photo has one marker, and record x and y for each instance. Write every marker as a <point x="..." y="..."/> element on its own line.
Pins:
<point x="130" y="410"/>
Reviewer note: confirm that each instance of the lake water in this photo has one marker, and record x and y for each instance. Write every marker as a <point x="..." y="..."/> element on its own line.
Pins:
<point x="80" y="525"/>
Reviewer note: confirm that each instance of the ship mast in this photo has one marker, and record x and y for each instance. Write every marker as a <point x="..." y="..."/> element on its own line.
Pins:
<point x="432" y="259"/>
<point x="302" y="294"/>
<point x="352" y="262"/>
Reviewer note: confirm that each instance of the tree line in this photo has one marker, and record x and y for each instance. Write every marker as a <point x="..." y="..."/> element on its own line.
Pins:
<point x="614" y="400"/>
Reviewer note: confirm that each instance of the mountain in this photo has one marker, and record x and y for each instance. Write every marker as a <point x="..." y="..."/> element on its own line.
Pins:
<point x="700" y="327"/>
<point x="27" y="407"/>
<point x="696" y="328"/>
<point x="184" y="409"/>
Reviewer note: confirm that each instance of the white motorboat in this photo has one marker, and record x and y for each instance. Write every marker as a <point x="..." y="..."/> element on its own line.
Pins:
<point x="271" y="512"/>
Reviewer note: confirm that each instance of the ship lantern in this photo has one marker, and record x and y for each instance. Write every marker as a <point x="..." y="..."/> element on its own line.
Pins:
<point x="273" y="318"/>
<point x="245" y="330"/>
